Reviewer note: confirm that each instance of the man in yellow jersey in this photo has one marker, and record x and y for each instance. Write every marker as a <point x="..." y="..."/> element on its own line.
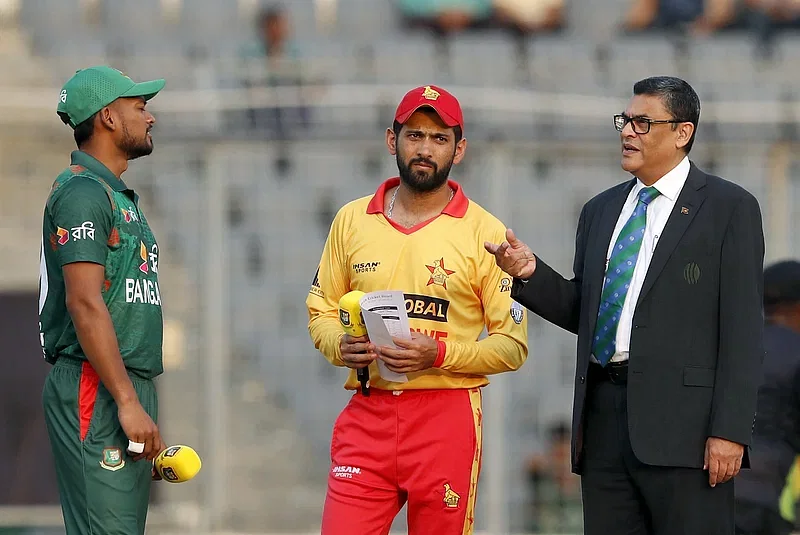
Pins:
<point x="419" y="441"/>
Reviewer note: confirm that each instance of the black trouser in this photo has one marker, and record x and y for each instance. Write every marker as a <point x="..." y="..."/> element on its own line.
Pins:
<point x="754" y="519"/>
<point x="622" y="496"/>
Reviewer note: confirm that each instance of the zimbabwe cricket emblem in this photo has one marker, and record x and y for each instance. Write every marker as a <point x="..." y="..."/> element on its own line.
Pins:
<point x="439" y="273"/>
<point x="430" y="94"/>
<point x="112" y="459"/>
<point x="450" y="497"/>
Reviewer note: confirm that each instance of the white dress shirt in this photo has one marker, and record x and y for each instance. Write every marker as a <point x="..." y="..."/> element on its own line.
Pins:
<point x="669" y="187"/>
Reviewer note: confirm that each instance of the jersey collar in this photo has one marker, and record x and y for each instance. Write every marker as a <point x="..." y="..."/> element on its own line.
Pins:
<point x="96" y="167"/>
<point x="457" y="207"/>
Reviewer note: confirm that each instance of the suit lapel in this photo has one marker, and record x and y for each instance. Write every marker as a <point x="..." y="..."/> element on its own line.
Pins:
<point x="598" y="249"/>
<point x="686" y="207"/>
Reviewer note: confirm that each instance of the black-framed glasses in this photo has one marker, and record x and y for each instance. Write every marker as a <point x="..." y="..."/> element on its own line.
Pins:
<point x="640" y="125"/>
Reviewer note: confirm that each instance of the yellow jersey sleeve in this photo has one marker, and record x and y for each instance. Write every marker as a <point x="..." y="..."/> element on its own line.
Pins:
<point x="506" y="346"/>
<point x="330" y="283"/>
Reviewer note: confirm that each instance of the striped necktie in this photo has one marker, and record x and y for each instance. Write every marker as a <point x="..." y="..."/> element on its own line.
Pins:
<point x="618" y="278"/>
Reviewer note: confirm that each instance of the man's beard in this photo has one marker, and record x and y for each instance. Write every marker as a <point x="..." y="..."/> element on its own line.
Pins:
<point x="132" y="147"/>
<point x="423" y="181"/>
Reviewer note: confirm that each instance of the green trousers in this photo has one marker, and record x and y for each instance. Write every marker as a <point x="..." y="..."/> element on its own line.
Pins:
<point x="102" y="490"/>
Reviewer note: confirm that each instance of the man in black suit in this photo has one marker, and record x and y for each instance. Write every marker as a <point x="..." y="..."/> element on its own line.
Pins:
<point x="776" y="436"/>
<point x="667" y="305"/>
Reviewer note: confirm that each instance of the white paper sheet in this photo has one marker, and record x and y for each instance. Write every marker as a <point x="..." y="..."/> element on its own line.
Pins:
<point x="385" y="317"/>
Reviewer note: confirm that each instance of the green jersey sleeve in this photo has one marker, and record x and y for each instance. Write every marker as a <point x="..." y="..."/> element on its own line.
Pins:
<point x="82" y="221"/>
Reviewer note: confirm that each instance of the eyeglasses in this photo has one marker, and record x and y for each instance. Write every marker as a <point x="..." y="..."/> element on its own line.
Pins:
<point x="640" y="124"/>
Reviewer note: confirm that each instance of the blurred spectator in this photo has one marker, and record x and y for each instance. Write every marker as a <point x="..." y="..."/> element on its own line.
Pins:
<point x="776" y="433"/>
<point x="790" y="496"/>
<point x="556" y="504"/>
<point x="27" y="471"/>
<point x="530" y="16"/>
<point x="274" y="32"/>
<point x="697" y="16"/>
<point x="446" y="16"/>
<point x="767" y="17"/>
<point x="274" y="60"/>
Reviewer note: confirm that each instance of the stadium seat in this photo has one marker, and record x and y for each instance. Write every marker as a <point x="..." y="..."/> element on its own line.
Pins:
<point x="565" y="65"/>
<point x="483" y="60"/>
<point x="634" y="58"/>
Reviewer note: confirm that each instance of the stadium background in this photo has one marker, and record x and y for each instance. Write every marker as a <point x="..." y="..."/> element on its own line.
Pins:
<point x="252" y="160"/>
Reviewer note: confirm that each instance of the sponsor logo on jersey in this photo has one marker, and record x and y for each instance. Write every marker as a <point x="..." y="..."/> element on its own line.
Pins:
<point x="517" y="313"/>
<point x="143" y="267"/>
<point x="153" y="257"/>
<point x="316" y="289"/>
<point x="366" y="267"/>
<point x="84" y="232"/>
<point x="505" y="284"/>
<point x="439" y="273"/>
<point x="63" y="235"/>
<point x="425" y="307"/>
<point x="346" y="472"/>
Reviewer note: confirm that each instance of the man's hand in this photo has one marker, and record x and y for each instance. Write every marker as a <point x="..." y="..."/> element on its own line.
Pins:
<point x="139" y="427"/>
<point x="357" y="352"/>
<point x="513" y="256"/>
<point x="723" y="460"/>
<point x="413" y="355"/>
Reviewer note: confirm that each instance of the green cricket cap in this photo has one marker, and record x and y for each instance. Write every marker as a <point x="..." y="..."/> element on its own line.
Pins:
<point x="90" y="90"/>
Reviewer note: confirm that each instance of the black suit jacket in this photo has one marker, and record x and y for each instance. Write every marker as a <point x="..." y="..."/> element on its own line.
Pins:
<point x="696" y="343"/>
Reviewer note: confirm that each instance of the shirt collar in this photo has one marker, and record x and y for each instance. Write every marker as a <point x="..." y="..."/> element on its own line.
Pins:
<point x="95" y="166"/>
<point x="457" y="206"/>
<point x="669" y="185"/>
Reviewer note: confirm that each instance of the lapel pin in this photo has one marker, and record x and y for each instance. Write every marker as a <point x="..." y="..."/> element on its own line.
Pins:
<point x="684" y="210"/>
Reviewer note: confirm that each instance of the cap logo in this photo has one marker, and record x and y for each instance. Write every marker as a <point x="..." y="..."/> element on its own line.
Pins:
<point x="123" y="74"/>
<point x="430" y="94"/>
<point x="64" y="96"/>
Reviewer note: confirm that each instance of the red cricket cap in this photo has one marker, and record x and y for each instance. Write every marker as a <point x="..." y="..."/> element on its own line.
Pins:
<point x="442" y="102"/>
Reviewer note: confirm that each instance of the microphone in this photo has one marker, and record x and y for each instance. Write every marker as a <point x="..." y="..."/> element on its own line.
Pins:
<point x="353" y="324"/>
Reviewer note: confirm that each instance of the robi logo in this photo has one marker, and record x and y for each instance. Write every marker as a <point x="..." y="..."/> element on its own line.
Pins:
<point x="143" y="267"/>
<point x="154" y="258"/>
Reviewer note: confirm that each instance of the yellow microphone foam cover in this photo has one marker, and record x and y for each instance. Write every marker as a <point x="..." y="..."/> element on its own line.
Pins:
<point x="350" y="313"/>
<point x="177" y="464"/>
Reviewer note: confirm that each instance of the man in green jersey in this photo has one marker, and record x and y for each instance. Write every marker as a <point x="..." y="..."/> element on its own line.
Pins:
<point x="100" y="310"/>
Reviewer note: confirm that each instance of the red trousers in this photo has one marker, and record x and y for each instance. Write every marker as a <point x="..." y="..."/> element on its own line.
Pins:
<point x="419" y="446"/>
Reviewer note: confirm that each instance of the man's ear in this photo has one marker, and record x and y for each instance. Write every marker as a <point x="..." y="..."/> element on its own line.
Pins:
<point x="461" y="150"/>
<point x="108" y="118"/>
<point x="391" y="141"/>
<point x="685" y="131"/>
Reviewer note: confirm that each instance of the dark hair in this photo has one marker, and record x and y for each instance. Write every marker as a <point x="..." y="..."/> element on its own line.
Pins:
<point x="781" y="286"/>
<point x="559" y="431"/>
<point x="456" y="130"/>
<point x="679" y="99"/>
<point x="83" y="132"/>
<point x="270" y="14"/>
